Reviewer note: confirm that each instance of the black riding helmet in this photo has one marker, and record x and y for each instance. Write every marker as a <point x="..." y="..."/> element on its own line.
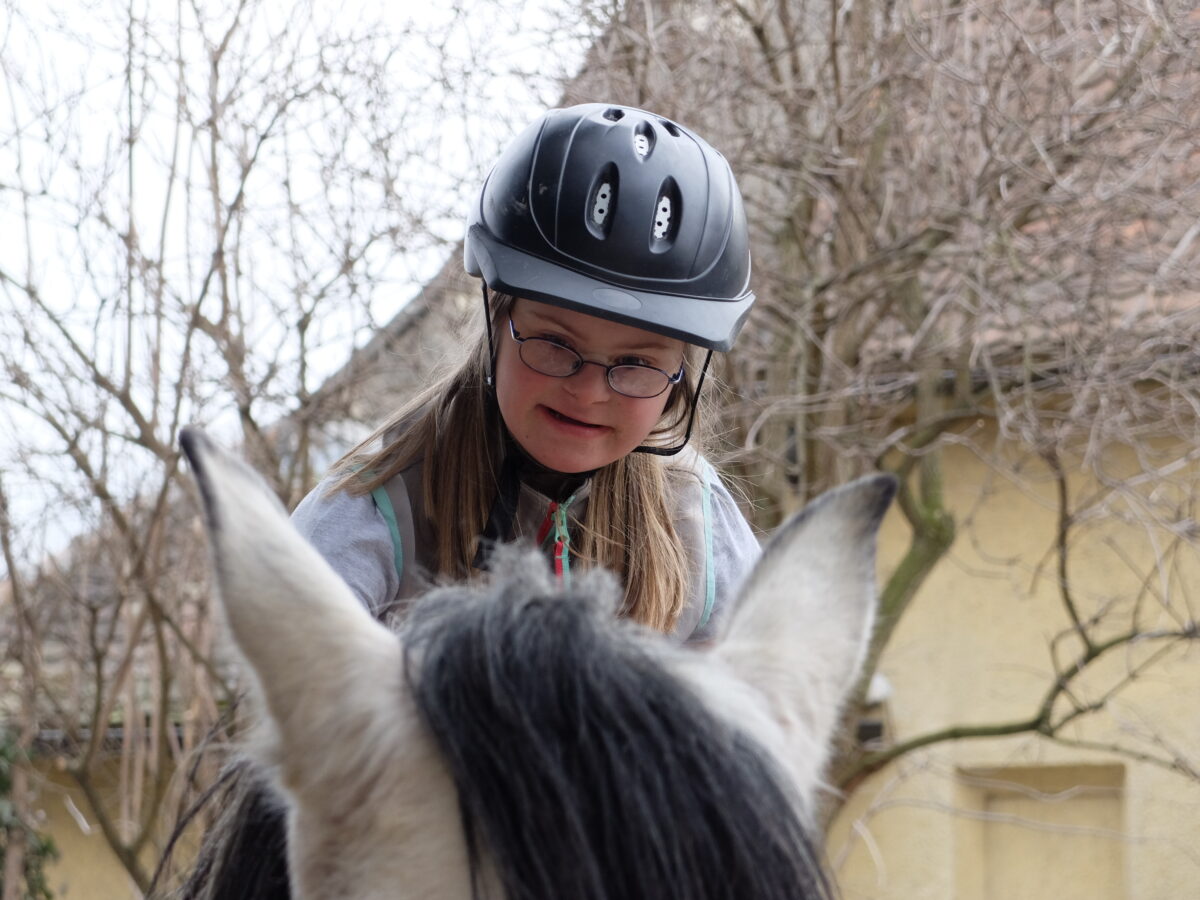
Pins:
<point x="619" y="213"/>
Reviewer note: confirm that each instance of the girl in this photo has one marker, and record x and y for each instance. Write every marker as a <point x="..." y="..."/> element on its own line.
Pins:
<point x="616" y="246"/>
<point x="613" y="252"/>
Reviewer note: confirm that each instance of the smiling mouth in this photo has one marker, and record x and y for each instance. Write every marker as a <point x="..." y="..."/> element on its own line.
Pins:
<point x="562" y="418"/>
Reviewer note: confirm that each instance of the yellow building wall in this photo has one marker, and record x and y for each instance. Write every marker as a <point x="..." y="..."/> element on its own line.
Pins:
<point x="86" y="868"/>
<point x="1023" y="817"/>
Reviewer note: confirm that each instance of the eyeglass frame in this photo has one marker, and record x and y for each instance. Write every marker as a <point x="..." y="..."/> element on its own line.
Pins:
<point x="671" y="379"/>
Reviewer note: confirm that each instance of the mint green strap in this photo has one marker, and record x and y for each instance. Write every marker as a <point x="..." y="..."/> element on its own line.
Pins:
<point x="384" y="504"/>
<point x="710" y="575"/>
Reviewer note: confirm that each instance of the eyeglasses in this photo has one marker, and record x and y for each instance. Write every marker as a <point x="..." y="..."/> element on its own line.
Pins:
<point x="549" y="357"/>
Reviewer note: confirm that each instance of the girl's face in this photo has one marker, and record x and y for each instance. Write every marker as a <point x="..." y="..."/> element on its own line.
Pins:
<point x="578" y="423"/>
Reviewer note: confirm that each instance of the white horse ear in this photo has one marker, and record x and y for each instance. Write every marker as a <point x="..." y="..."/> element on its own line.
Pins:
<point x="804" y="618"/>
<point x="310" y="642"/>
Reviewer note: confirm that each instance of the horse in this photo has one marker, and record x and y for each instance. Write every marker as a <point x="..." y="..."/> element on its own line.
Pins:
<point x="518" y="739"/>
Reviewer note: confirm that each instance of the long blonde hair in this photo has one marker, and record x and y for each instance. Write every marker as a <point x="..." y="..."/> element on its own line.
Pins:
<point x="453" y="429"/>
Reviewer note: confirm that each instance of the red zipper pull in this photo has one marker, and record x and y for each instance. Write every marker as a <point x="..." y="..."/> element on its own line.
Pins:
<point x="559" y="552"/>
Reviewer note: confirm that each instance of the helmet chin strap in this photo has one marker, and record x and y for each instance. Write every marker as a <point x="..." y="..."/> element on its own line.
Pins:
<point x="671" y="451"/>
<point x="490" y="377"/>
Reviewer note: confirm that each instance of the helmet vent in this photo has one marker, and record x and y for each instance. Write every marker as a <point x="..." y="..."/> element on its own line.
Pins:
<point x="614" y="115"/>
<point x="643" y="139"/>
<point x="602" y="201"/>
<point x="671" y="127"/>
<point x="662" y="218"/>
<point x="666" y="217"/>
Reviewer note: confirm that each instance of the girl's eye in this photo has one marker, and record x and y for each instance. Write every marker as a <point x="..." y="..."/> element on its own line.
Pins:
<point x="634" y="361"/>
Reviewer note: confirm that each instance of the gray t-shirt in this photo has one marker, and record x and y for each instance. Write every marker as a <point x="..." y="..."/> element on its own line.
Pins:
<point x="357" y="539"/>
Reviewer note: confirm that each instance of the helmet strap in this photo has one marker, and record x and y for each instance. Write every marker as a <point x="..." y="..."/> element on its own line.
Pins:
<point x="490" y="377"/>
<point x="671" y="451"/>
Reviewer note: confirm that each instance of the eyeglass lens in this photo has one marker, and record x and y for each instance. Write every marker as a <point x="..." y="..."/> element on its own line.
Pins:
<point x="550" y="358"/>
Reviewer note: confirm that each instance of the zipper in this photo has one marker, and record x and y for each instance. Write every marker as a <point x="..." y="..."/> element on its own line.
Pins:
<point x="556" y="518"/>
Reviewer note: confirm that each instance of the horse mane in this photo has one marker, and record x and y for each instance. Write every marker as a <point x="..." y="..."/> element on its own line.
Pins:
<point x="584" y="768"/>
<point x="243" y="855"/>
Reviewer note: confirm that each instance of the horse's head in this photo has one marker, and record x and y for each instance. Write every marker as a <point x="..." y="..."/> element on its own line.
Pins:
<point x="525" y="726"/>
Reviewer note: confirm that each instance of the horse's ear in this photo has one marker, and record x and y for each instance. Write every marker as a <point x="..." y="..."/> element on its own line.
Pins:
<point x="315" y="650"/>
<point x="805" y="614"/>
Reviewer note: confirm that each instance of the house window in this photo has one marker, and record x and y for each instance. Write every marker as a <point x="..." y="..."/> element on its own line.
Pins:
<point x="1041" y="833"/>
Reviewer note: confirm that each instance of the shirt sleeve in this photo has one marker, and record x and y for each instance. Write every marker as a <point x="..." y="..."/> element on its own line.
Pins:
<point x="353" y="537"/>
<point x="733" y="551"/>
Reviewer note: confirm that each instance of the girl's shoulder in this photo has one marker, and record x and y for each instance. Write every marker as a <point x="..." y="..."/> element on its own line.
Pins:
<point x="698" y="489"/>
<point x="348" y="530"/>
<point x="718" y="540"/>
<point x="689" y="466"/>
<point x="689" y="473"/>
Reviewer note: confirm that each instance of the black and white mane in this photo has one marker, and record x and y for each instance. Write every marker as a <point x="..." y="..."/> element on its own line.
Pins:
<point x="583" y="766"/>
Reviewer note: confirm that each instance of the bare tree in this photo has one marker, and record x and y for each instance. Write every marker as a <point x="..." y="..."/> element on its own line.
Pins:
<point x="976" y="227"/>
<point x="25" y="849"/>
<point x="202" y="218"/>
